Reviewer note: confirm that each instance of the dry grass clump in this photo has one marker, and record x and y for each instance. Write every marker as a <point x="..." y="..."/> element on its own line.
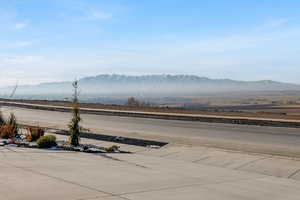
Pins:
<point x="34" y="133"/>
<point x="7" y="131"/>
<point x="2" y="120"/>
<point x="113" y="148"/>
<point x="133" y="102"/>
<point x="8" y="128"/>
<point x="12" y="121"/>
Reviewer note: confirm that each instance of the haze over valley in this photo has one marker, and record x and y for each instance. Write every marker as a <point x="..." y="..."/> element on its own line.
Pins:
<point x="115" y="89"/>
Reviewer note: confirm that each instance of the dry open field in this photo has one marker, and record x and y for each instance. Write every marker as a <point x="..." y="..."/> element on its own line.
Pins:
<point x="259" y="106"/>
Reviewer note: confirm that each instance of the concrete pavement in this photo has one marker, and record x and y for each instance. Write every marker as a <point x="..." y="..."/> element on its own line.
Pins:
<point x="31" y="174"/>
<point x="283" y="167"/>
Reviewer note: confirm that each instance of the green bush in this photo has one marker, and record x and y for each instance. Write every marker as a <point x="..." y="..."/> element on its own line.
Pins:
<point x="47" y="141"/>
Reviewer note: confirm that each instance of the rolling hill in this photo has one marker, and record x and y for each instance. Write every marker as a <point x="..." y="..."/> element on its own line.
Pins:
<point x="147" y="86"/>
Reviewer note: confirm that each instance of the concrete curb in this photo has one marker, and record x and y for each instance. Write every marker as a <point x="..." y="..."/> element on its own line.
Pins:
<point x="107" y="138"/>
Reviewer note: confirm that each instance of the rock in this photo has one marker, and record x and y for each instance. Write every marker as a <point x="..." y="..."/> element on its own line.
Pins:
<point x="153" y="146"/>
<point x="23" y="143"/>
<point x="54" y="148"/>
<point x="77" y="148"/>
<point x="33" y="145"/>
<point x="60" y="145"/>
<point x="12" y="145"/>
<point x="5" y="141"/>
<point x="22" y="137"/>
<point x="94" y="150"/>
<point x="85" y="148"/>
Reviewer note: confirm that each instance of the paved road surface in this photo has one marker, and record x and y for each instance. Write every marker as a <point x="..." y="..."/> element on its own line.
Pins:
<point x="271" y="140"/>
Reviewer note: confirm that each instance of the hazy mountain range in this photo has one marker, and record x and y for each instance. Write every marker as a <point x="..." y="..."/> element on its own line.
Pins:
<point x="147" y="86"/>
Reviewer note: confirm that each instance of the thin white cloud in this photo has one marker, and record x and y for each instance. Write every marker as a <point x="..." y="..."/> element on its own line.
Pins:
<point x="84" y="11"/>
<point x="10" y="77"/>
<point x="97" y="15"/>
<point x="93" y="12"/>
<point x="23" y="44"/>
<point x="15" y="45"/>
<point x="88" y="14"/>
<point x="19" y="60"/>
<point x="20" y="26"/>
<point x="273" y="24"/>
<point x="277" y="22"/>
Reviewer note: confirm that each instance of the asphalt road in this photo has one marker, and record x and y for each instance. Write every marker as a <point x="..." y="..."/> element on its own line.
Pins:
<point x="269" y="140"/>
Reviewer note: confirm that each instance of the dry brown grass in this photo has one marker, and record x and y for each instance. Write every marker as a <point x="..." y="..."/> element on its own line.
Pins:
<point x="273" y="105"/>
<point x="34" y="133"/>
<point x="112" y="148"/>
<point x="7" y="131"/>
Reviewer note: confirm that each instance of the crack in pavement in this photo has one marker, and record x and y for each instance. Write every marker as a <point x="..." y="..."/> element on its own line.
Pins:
<point x="201" y="159"/>
<point x="294" y="173"/>
<point x="65" y="181"/>
<point x="101" y="197"/>
<point x="124" y="161"/>
<point x="60" y="179"/>
<point x="251" y="162"/>
<point x="189" y="185"/>
<point x="168" y="154"/>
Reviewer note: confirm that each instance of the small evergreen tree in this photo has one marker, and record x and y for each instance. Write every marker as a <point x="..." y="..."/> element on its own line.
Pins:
<point x="74" y="127"/>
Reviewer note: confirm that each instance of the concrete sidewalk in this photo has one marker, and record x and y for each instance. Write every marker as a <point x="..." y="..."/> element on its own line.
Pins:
<point x="265" y="164"/>
<point x="29" y="174"/>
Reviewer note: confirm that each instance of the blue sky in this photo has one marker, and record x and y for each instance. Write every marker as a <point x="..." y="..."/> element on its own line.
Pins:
<point x="53" y="40"/>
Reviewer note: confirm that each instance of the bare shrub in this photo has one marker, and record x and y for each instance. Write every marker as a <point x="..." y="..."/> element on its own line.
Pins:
<point x="7" y="132"/>
<point x="12" y="121"/>
<point x="133" y="102"/>
<point x="112" y="148"/>
<point x="34" y="133"/>
<point x="8" y="128"/>
<point x="2" y="120"/>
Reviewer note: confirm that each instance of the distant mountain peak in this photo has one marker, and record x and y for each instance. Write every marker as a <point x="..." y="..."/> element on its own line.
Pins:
<point x="153" y="85"/>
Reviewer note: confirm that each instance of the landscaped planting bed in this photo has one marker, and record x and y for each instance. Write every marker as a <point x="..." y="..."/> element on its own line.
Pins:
<point x="34" y="137"/>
